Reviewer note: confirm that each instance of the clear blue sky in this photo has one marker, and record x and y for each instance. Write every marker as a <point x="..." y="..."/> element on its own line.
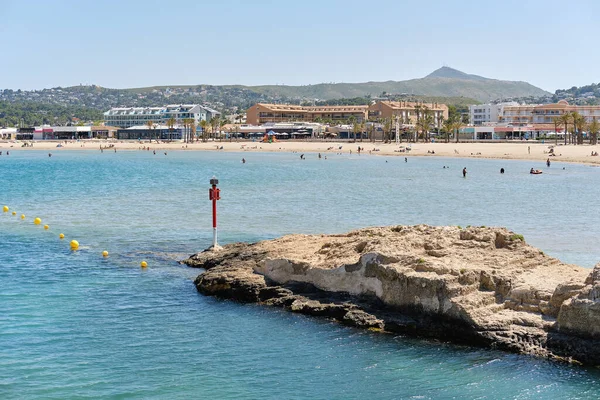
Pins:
<point x="132" y="43"/>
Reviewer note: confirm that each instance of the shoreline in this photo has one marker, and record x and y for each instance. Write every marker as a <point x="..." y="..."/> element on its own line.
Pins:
<point x="527" y="151"/>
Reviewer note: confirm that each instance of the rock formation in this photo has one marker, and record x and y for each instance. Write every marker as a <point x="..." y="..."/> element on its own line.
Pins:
<point x="479" y="286"/>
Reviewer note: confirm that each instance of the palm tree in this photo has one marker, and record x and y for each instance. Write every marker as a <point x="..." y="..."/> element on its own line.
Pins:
<point x="363" y="126"/>
<point x="579" y="125"/>
<point x="214" y="123"/>
<point x="593" y="128"/>
<point x="387" y="128"/>
<point x="456" y="125"/>
<point x="447" y="126"/>
<point x="565" y="119"/>
<point x="204" y="126"/>
<point x="352" y="121"/>
<point x="222" y="123"/>
<point x="150" y="124"/>
<point x="171" y="124"/>
<point x="425" y="122"/>
<point x="557" y="122"/>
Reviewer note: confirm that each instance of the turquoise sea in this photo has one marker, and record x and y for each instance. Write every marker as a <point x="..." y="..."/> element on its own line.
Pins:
<point x="76" y="325"/>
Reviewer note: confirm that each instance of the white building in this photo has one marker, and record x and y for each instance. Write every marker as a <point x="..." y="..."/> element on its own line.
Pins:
<point x="133" y="116"/>
<point x="481" y="114"/>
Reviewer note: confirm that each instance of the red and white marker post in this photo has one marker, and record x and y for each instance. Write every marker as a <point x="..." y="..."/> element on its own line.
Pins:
<point x="214" y="194"/>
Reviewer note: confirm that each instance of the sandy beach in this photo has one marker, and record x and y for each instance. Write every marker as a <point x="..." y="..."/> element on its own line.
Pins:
<point x="517" y="150"/>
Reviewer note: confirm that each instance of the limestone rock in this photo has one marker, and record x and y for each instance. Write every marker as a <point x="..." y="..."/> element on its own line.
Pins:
<point x="482" y="286"/>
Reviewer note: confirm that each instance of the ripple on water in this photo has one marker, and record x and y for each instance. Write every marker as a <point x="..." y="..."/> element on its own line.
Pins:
<point x="73" y="324"/>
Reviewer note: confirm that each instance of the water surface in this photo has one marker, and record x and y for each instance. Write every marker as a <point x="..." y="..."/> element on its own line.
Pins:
<point x="75" y="325"/>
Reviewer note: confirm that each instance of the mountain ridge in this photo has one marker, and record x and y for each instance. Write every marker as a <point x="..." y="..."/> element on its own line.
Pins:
<point x="443" y="82"/>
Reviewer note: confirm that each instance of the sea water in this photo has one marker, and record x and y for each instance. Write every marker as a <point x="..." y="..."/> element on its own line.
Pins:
<point x="77" y="325"/>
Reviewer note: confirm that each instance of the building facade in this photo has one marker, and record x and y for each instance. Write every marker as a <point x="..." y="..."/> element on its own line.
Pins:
<point x="481" y="114"/>
<point x="123" y="117"/>
<point x="262" y="113"/>
<point x="544" y="114"/>
<point x="408" y="112"/>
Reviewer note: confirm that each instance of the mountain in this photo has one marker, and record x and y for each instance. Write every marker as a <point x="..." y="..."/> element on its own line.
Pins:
<point x="445" y="85"/>
<point x="447" y="72"/>
<point x="445" y="81"/>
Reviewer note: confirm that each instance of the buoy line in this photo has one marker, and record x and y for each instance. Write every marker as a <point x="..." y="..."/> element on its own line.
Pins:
<point x="73" y="244"/>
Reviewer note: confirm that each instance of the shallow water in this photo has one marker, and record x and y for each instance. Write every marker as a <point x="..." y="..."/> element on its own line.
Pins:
<point x="76" y="325"/>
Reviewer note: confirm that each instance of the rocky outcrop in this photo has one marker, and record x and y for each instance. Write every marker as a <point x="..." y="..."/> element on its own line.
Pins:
<point x="480" y="286"/>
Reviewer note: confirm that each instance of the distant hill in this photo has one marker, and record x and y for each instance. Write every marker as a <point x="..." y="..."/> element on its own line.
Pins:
<point x="444" y="82"/>
<point x="445" y="85"/>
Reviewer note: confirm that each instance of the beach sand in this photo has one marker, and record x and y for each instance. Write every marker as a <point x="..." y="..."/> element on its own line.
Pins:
<point x="519" y="150"/>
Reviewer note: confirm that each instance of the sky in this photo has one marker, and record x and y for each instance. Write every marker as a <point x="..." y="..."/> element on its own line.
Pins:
<point x="138" y="43"/>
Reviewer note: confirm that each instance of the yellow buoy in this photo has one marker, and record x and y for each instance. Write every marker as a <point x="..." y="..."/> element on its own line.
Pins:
<point x="22" y="216"/>
<point x="74" y="244"/>
<point x="5" y="208"/>
<point x="143" y="264"/>
<point x="46" y="227"/>
<point x="14" y="213"/>
<point x="61" y="236"/>
<point x="37" y="221"/>
<point x="105" y="253"/>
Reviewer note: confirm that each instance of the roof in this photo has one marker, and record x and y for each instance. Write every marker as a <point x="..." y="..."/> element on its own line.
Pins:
<point x="403" y="105"/>
<point x="311" y="109"/>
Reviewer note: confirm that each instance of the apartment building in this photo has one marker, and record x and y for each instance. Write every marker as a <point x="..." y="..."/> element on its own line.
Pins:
<point x="407" y="111"/>
<point x="481" y="114"/>
<point x="545" y="113"/>
<point x="126" y="117"/>
<point x="261" y="113"/>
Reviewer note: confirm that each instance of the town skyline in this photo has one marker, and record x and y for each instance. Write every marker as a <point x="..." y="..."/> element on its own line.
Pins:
<point x="130" y="45"/>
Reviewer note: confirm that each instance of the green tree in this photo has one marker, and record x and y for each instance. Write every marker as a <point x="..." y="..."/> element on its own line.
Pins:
<point x="579" y="124"/>
<point x="557" y="122"/>
<point x="204" y="125"/>
<point x="150" y="125"/>
<point x="565" y="119"/>
<point x="171" y="125"/>
<point x="352" y="122"/>
<point x="593" y="129"/>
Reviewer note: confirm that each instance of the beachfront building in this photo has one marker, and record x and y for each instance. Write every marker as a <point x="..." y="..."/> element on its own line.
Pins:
<point x="545" y="114"/>
<point x="481" y="114"/>
<point x="133" y="116"/>
<point x="158" y="132"/>
<point x="262" y="113"/>
<point x="407" y="112"/>
<point x="8" y="133"/>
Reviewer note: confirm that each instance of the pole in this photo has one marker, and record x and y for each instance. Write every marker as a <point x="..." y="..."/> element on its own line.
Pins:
<point x="214" y="194"/>
<point x="214" y="215"/>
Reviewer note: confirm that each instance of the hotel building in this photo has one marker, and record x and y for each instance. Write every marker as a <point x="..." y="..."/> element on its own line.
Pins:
<point x="261" y="113"/>
<point x="481" y="114"/>
<point x="544" y="114"/>
<point x="407" y="111"/>
<point x="139" y="116"/>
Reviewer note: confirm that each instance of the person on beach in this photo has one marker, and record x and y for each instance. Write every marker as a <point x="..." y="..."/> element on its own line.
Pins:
<point x="528" y="150"/>
<point x="464" y="172"/>
<point x="548" y="162"/>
